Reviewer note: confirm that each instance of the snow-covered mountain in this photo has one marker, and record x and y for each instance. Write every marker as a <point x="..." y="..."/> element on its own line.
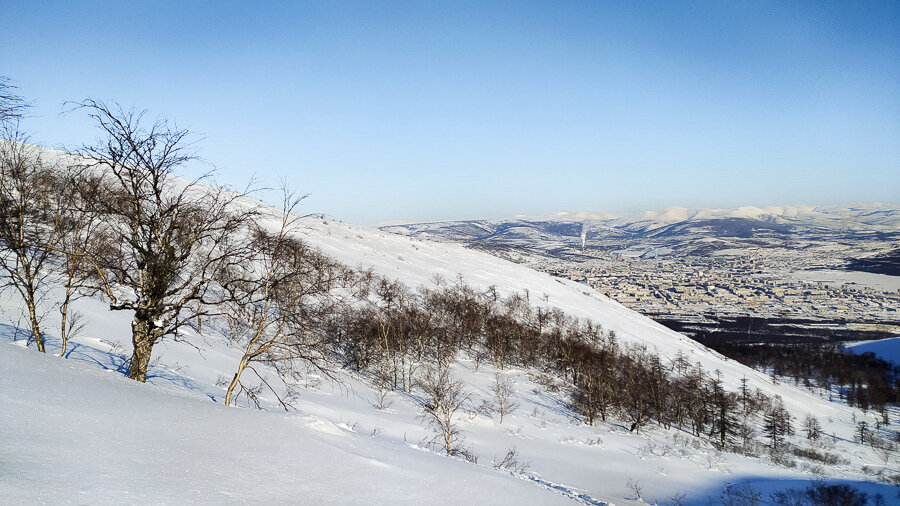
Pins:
<point x="872" y="216"/>
<point x="77" y="431"/>
<point x="863" y="218"/>
<point x="682" y="231"/>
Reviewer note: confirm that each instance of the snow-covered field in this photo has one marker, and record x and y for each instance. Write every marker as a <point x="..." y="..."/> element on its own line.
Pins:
<point x="77" y="431"/>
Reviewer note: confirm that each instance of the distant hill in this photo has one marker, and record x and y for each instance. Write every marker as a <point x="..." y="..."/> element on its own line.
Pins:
<point x="683" y="231"/>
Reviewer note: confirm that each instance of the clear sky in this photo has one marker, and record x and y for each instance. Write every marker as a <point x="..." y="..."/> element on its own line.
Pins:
<point x="457" y="110"/>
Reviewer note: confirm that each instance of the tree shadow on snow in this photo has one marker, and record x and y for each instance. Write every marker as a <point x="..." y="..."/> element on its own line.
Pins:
<point x="110" y="359"/>
<point x="773" y="491"/>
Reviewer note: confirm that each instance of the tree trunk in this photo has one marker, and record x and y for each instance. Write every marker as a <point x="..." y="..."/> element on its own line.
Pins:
<point x="143" y="338"/>
<point x="234" y="382"/>
<point x="64" y="313"/>
<point x="35" y="327"/>
<point x="63" y="335"/>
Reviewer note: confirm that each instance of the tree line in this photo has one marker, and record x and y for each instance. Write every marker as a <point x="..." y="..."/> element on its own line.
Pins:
<point x="400" y="330"/>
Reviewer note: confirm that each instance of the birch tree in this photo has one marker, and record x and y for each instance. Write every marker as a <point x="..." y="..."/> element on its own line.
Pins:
<point x="445" y="400"/>
<point x="275" y="305"/>
<point x="171" y="240"/>
<point x="77" y="234"/>
<point x="26" y="224"/>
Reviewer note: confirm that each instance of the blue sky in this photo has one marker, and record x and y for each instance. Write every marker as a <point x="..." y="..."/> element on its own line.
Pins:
<point x="457" y="110"/>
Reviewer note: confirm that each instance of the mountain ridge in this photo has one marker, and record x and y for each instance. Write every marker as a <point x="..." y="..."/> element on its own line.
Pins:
<point x="876" y="216"/>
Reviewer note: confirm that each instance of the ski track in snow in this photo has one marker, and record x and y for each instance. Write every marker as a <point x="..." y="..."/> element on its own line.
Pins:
<point x="578" y="497"/>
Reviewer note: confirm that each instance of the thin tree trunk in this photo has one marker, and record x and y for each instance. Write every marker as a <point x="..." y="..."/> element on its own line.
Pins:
<point x="234" y="382"/>
<point x="63" y="335"/>
<point x="64" y="311"/>
<point x="35" y="327"/>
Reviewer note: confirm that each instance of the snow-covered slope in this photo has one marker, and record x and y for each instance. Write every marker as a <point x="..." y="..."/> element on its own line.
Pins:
<point x="417" y="262"/>
<point x="73" y="433"/>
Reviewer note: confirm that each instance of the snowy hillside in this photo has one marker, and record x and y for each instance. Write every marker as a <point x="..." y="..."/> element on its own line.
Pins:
<point x="78" y="431"/>
<point x="417" y="262"/>
<point x="76" y="434"/>
<point x="339" y="448"/>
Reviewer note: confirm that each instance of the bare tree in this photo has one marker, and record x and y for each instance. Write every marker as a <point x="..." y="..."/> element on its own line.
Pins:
<point x="278" y="308"/>
<point x="445" y="398"/>
<point x="77" y="233"/>
<point x="883" y="448"/>
<point x="777" y="423"/>
<point x="504" y="403"/>
<point x="812" y="427"/>
<point x="170" y="240"/>
<point x="27" y="222"/>
<point x="20" y="169"/>
<point x="43" y="229"/>
<point x="635" y="488"/>
<point x="511" y="462"/>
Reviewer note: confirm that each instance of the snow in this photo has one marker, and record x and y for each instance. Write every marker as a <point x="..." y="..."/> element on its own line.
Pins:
<point x="75" y="433"/>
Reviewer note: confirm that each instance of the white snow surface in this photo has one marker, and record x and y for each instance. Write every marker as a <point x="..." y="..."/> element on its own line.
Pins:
<point x="75" y="433"/>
